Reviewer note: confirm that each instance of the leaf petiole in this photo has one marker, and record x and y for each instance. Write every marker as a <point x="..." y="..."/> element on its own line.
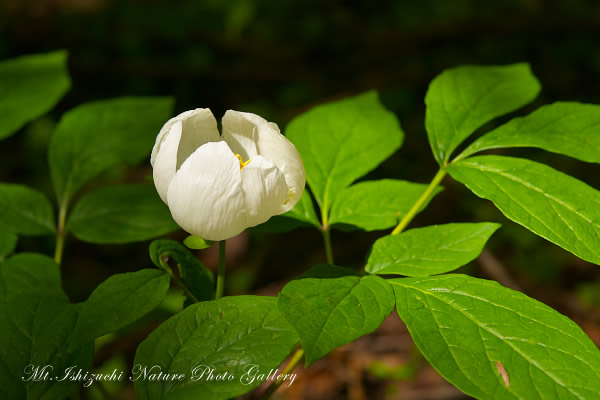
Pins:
<point x="61" y="232"/>
<point x="437" y="179"/>
<point x="294" y="361"/>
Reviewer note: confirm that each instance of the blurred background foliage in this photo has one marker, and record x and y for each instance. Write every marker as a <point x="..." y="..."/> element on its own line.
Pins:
<point x="279" y="58"/>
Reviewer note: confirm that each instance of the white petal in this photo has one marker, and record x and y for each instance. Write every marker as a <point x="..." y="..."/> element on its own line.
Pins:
<point x="205" y="196"/>
<point x="199" y="127"/>
<point x="240" y="134"/>
<point x="265" y="189"/>
<point x="165" y="161"/>
<point x="200" y="121"/>
<point x="178" y="138"/>
<point x="273" y="146"/>
<point x="164" y="132"/>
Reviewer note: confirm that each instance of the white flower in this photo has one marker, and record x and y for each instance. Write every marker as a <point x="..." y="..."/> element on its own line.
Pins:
<point x="217" y="186"/>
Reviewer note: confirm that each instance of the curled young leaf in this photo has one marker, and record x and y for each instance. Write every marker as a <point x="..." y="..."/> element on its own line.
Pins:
<point x="192" y="273"/>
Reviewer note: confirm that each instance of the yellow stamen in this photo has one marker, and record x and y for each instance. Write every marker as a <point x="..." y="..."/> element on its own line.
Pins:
<point x="242" y="163"/>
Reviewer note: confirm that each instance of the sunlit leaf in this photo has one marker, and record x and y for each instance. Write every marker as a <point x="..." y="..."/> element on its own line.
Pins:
<point x="374" y="205"/>
<point x="330" y="306"/>
<point x="495" y="343"/>
<point x="572" y="129"/>
<point x="551" y="204"/>
<point x="430" y="250"/>
<point x="462" y="99"/>
<point x="342" y="141"/>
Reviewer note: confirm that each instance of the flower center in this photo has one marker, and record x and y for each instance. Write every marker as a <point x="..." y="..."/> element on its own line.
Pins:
<point x="242" y="162"/>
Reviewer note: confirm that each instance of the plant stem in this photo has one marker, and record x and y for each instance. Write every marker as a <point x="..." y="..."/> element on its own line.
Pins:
<point x="426" y="196"/>
<point x="221" y="271"/>
<point x="327" y="240"/>
<point x="60" y="233"/>
<point x="296" y="358"/>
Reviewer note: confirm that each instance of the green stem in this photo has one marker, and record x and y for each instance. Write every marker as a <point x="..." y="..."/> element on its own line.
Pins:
<point x="425" y="197"/>
<point x="327" y="240"/>
<point x="61" y="233"/>
<point x="221" y="271"/>
<point x="296" y="358"/>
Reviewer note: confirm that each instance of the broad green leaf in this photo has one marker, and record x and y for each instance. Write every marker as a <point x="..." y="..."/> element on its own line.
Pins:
<point x="572" y="129"/>
<point x="37" y="323"/>
<point x="8" y="242"/>
<point x="53" y="346"/>
<point x="431" y="250"/>
<point x="549" y="203"/>
<point x="25" y="210"/>
<point x="374" y="205"/>
<point x="330" y="306"/>
<point x="96" y="135"/>
<point x="121" y="214"/>
<point x="342" y="141"/>
<point x="193" y="274"/>
<point x="460" y="100"/>
<point x="304" y="210"/>
<point x="495" y="343"/>
<point x="230" y="335"/>
<point x="119" y="301"/>
<point x="197" y="243"/>
<point x="302" y="215"/>
<point x="29" y="87"/>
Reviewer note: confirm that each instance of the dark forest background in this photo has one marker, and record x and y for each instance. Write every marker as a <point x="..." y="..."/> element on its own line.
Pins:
<point x="278" y="59"/>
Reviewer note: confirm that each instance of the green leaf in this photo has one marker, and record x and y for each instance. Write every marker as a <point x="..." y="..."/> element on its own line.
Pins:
<point x="197" y="243"/>
<point x="96" y="135"/>
<point x="193" y="274"/>
<point x="302" y="215"/>
<point x="121" y="214"/>
<point x="120" y="300"/>
<point x="231" y="335"/>
<point x="474" y="331"/>
<point x="29" y="87"/>
<point x="25" y="210"/>
<point x="375" y="205"/>
<point x="330" y="306"/>
<point x="431" y="250"/>
<point x="53" y="347"/>
<point x="342" y="141"/>
<point x="37" y="323"/>
<point x="8" y="242"/>
<point x="304" y="211"/>
<point x="549" y="203"/>
<point x="572" y="129"/>
<point x="462" y="99"/>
